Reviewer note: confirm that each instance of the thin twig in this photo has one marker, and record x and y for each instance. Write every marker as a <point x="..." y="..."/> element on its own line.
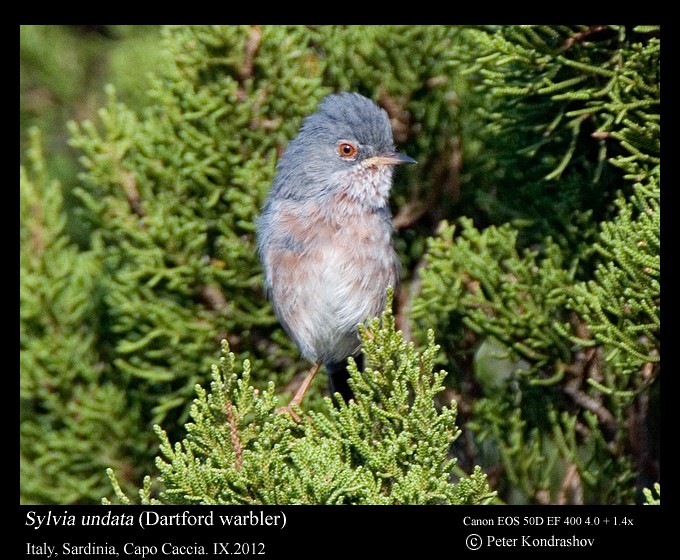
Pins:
<point x="251" y="47"/>
<point x="571" y="482"/>
<point x="129" y="184"/>
<point x="578" y="37"/>
<point x="235" y="441"/>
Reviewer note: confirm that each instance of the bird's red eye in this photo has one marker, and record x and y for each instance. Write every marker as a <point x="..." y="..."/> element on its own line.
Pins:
<point x="346" y="150"/>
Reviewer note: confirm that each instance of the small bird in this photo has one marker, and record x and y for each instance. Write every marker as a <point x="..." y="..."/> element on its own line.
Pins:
<point x="325" y="233"/>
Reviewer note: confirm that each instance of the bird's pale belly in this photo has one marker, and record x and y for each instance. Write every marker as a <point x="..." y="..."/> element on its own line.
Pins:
<point x="337" y="282"/>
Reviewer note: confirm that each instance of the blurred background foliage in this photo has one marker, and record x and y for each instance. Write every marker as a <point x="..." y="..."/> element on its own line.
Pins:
<point x="62" y="74"/>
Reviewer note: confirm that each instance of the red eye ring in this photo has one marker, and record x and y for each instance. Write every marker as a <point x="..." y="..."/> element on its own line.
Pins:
<point x="346" y="150"/>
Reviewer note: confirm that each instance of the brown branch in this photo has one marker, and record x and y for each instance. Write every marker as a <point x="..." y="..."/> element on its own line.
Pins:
<point x="587" y="364"/>
<point x="571" y="484"/>
<point x="235" y="442"/>
<point x="572" y="389"/>
<point x="399" y="117"/>
<point x="580" y="36"/>
<point x="129" y="184"/>
<point x="212" y="296"/>
<point x="251" y="47"/>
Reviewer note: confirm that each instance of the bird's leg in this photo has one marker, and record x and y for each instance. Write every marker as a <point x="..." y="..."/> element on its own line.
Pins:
<point x="300" y="394"/>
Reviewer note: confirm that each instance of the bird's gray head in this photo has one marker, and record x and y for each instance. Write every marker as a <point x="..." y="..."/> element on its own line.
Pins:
<point x="345" y="147"/>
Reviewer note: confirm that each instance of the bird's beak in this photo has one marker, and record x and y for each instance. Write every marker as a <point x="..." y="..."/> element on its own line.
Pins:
<point x="391" y="158"/>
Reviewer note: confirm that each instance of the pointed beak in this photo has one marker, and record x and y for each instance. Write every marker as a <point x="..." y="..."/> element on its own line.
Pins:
<point x="391" y="158"/>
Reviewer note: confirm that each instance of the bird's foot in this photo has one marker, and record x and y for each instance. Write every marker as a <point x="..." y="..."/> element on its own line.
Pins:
<point x="288" y="409"/>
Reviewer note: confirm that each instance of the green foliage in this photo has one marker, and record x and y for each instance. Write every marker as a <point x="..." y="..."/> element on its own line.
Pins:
<point x="74" y="420"/>
<point x="494" y="290"/>
<point x="560" y="103"/>
<point x="561" y="338"/>
<point x="621" y="304"/>
<point x="518" y="305"/>
<point x="388" y="446"/>
<point x="63" y="70"/>
<point x="650" y="500"/>
<point x="528" y="234"/>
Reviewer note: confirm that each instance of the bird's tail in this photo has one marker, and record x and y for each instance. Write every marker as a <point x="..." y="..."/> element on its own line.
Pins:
<point x="338" y="377"/>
